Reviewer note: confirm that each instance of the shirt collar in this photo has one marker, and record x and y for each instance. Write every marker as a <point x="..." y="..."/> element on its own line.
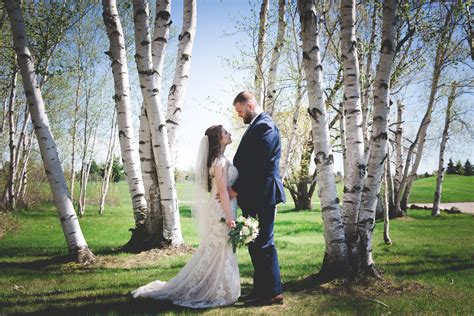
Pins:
<point x="253" y="120"/>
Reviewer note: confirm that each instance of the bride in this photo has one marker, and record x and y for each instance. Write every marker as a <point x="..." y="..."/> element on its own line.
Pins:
<point x="211" y="277"/>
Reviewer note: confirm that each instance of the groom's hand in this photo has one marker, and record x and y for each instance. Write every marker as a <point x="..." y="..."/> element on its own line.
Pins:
<point x="232" y="193"/>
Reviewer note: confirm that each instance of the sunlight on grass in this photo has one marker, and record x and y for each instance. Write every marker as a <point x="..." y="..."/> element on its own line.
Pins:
<point x="428" y="269"/>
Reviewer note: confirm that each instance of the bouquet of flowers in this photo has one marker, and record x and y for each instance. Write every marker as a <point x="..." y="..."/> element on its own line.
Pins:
<point x="244" y="232"/>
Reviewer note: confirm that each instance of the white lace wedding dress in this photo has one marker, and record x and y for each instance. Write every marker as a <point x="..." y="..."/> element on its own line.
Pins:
<point x="211" y="277"/>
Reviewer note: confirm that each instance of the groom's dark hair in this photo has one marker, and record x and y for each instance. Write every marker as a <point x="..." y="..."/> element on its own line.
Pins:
<point x="243" y="97"/>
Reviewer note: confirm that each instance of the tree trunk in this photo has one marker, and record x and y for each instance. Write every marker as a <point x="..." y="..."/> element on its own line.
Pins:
<point x="84" y="167"/>
<point x="440" y="60"/>
<point x="181" y="76"/>
<point x="378" y="148"/>
<point x="442" y="147"/>
<point x="396" y="211"/>
<point x="160" y="36"/>
<point x="74" y="127"/>
<point x="389" y="179"/>
<point x="335" y="262"/>
<point x="356" y="164"/>
<point x="342" y="131"/>
<point x="11" y="122"/>
<point x="22" y="178"/>
<point x="368" y="83"/>
<point x="128" y="145"/>
<point x="154" y="234"/>
<point x="386" y="217"/>
<point x="76" y="243"/>
<point x="271" y="92"/>
<point x="259" y="83"/>
<point x="108" y="165"/>
<point x="159" y="136"/>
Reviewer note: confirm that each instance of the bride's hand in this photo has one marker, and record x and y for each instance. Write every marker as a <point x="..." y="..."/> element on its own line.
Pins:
<point x="230" y="223"/>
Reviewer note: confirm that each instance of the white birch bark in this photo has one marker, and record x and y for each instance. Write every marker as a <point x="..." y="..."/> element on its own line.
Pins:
<point x="386" y="217"/>
<point x="160" y="36"/>
<point x="399" y="147"/>
<point x="181" y="76"/>
<point x="12" y="134"/>
<point x="389" y="178"/>
<point x="156" y="124"/>
<point x="342" y="131"/>
<point x="368" y="84"/>
<point x="22" y="177"/>
<point x="74" y="124"/>
<point x="4" y="115"/>
<point x="442" y="148"/>
<point x="378" y="148"/>
<point x="440" y="60"/>
<point x="356" y="164"/>
<point x="76" y="243"/>
<point x="335" y="242"/>
<point x="155" y="220"/>
<point x="127" y="140"/>
<point x="84" y="167"/>
<point x="108" y="165"/>
<point x="270" y="91"/>
<point x="149" y="173"/>
<point x="258" y="81"/>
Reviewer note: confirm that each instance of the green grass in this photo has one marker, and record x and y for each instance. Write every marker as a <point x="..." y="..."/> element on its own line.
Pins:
<point x="428" y="269"/>
<point x="455" y="189"/>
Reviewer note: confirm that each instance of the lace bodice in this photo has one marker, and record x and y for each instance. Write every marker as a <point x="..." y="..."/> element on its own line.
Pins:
<point x="232" y="173"/>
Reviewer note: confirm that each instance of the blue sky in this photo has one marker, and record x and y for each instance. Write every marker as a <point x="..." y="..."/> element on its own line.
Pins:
<point x="212" y="85"/>
<point x="211" y="88"/>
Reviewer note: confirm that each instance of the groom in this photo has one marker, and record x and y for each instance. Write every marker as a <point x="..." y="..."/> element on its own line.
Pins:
<point x="259" y="190"/>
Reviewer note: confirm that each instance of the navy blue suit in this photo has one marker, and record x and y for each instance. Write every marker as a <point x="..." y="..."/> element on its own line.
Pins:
<point x="260" y="189"/>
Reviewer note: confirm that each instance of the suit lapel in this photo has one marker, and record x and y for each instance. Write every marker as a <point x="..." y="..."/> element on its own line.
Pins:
<point x="246" y="134"/>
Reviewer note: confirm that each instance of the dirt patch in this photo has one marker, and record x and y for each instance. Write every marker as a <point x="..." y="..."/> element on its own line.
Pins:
<point x="8" y="224"/>
<point x="374" y="291"/>
<point x="143" y="259"/>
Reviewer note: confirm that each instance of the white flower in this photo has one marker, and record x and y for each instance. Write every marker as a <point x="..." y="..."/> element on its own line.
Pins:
<point x="245" y="231"/>
<point x="248" y="240"/>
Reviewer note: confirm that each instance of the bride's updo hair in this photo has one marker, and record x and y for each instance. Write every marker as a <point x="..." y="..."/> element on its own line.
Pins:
<point x="214" y="135"/>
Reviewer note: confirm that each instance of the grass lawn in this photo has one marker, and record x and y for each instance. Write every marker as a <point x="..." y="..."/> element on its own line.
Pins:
<point x="428" y="269"/>
<point x="455" y="189"/>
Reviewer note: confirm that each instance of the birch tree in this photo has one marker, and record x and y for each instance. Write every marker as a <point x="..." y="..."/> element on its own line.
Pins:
<point x="378" y="148"/>
<point x="442" y="148"/>
<point x="443" y="50"/>
<point x="270" y="91"/>
<point x="181" y="75"/>
<point x="159" y="137"/>
<point x="76" y="243"/>
<point x="354" y="177"/>
<point x="259" y="70"/>
<point x="336" y="255"/>
<point x="13" y="161"/>
<point x="108" y="165"/>
<point x="127" y="140"/>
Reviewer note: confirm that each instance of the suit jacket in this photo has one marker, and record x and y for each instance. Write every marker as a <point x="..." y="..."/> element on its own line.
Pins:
<point x="257" y="158"/>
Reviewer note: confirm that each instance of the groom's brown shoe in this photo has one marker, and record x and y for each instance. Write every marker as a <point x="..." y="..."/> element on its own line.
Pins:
<point x="277" y="299"/>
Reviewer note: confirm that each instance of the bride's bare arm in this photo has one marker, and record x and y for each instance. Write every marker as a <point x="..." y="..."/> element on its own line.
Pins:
<point x="220" y="172"/>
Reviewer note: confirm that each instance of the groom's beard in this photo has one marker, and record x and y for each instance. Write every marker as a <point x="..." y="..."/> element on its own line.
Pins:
<point x="247" y="118"/>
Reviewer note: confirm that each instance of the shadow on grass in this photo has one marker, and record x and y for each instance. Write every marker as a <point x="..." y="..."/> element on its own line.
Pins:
<point x="119" y="304"/>
<point x="438" y="264"/>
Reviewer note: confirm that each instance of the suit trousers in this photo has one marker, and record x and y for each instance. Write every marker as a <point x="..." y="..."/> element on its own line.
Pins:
<point x="266" y="277"/>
